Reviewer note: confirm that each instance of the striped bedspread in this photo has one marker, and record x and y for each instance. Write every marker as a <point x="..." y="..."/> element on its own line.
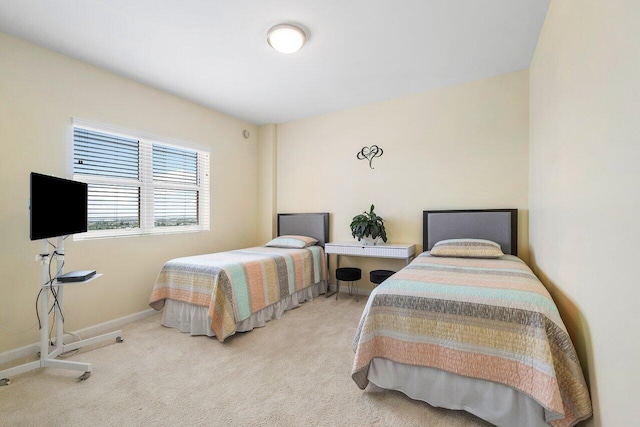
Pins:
<point x="236" y="284"/>
<point x="481" y="318"/>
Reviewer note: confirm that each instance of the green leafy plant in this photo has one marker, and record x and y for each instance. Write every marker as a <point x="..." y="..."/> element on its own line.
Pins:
<point x="368" y="224"/>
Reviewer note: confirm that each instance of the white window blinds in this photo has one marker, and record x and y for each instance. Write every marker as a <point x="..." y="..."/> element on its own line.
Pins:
<point x="140" y="186"/>
<point x="175" y="165"/>
<point x="175" y="195"/>
<point x="113" y="207"/>
<point x="101" y="154"/>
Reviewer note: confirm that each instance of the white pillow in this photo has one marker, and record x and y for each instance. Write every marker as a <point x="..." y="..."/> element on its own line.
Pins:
<point x="292" y="241"/>
<point x="467" y="248"/>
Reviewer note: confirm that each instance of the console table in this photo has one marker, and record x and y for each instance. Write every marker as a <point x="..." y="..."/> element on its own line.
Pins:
<point x="404" y="251"/>
<point x="395" y="250"/>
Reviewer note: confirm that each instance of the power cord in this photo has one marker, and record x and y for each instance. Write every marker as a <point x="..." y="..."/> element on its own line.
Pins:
<point x="70" y="352"/>
<point x="48" y="287"/>
<point x="53" y="290"/>
<point x="77" y="337"/>
<point x="49" y="284"/>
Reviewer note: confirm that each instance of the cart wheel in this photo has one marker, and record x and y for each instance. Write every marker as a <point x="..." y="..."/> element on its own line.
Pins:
<point x="119" y="339"/>
<point x="84" y="376"/>
<point x="5" y="381"/>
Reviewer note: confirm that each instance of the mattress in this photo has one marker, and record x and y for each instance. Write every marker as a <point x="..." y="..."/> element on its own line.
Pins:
<point x="480" y="319"/>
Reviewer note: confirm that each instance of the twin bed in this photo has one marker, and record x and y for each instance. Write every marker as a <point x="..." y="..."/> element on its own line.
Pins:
<point x="467" y="329"/>
<point x="472" y="329"/>
<point x="227" y="292"/>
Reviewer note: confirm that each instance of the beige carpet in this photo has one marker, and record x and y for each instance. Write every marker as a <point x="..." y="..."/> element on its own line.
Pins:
<point x="295" y="371"/>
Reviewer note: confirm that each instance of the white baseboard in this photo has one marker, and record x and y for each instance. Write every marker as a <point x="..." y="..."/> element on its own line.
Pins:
<point x="33" y="349"/>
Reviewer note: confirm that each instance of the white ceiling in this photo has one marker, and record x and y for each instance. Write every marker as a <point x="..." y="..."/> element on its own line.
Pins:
<point x="214" y="52"/>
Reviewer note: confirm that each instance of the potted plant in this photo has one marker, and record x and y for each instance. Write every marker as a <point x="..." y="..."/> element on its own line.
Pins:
<point x="368" y="227"/>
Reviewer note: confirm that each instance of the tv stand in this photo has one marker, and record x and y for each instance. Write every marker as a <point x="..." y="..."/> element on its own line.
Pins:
<point x="48" y="356"/>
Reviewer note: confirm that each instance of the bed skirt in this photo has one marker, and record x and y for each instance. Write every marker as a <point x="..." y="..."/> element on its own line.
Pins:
<point x="493" y="402"/>
<point x="194" y="319"/>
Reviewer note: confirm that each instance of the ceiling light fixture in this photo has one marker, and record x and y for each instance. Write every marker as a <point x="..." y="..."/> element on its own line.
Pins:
<point x="286" y="38"/>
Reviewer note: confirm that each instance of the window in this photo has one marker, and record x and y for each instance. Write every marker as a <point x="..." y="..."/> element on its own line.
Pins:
<point x="140" y="186"/>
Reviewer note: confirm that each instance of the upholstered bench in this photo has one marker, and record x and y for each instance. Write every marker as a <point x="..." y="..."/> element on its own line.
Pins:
<point x="348" y="274"/>
<point x="379" y="276"/>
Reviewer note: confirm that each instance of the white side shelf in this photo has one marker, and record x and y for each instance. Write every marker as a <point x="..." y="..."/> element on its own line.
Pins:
<point x="92" y="278"/>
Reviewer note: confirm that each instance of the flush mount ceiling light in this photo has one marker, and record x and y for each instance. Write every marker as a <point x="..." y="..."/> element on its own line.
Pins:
<point x="286" y="38"/>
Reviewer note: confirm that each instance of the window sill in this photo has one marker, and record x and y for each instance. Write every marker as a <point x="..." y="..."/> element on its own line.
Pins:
<point x="110" y="234"/>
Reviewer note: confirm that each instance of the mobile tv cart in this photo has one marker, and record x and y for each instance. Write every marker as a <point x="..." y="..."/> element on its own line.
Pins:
<point x="48" y="356"/>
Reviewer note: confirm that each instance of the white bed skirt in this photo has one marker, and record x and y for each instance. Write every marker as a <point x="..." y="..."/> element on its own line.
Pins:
<point x="194" y="319"/>
<point x="493" y="402"/>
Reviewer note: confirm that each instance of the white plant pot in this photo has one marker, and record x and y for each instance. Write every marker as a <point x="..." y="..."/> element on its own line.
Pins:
<point x="369" y="241"/>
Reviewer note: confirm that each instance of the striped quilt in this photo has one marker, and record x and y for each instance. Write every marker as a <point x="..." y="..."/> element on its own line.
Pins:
<point x="482" y="318"/>
<point x="236" y="284"/>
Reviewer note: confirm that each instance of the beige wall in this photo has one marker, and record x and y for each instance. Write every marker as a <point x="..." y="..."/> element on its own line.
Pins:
<point x="584" y="198"/>
<point x="267" y="143"/>
<point x="40" y="91"/>
<point x="462" y="147"/>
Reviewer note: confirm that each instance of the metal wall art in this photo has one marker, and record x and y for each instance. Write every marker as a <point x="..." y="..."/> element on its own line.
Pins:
<point x="369" y="153"/>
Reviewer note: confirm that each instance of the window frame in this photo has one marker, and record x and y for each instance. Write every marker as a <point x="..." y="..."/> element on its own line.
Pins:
<point x="147" y="185"/>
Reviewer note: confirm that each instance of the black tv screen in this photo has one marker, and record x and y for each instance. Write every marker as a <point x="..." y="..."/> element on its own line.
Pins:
<point x="58" y="207"/>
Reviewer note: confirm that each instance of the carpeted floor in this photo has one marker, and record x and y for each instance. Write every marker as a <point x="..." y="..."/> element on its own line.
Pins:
<point x="293" y="372"/>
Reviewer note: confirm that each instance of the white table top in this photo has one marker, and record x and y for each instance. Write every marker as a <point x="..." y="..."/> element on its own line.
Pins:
<point x="379" y="245"/>
<point x="385" y="250"/>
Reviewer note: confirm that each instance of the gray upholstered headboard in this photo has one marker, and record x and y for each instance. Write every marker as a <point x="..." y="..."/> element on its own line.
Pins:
<point x="314" y="225"/>
<point x="498" y="225"/>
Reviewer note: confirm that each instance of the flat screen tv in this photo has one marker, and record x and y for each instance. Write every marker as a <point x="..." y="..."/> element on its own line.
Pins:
<point x="58" y="207"/>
